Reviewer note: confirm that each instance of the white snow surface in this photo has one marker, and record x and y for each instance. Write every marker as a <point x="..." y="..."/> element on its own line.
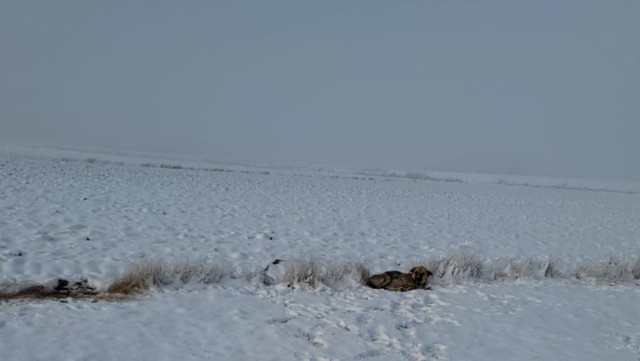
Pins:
<point x="72" y="214"/>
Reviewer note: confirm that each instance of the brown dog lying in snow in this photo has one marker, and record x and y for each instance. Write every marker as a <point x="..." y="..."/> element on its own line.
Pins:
<point x="418" y="277"/>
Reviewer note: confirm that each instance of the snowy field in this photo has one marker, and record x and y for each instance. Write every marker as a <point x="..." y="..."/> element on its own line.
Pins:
<point x="74" y="214"/>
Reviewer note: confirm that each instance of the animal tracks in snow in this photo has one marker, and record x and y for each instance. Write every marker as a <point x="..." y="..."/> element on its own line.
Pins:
<point x="385" y="325"/>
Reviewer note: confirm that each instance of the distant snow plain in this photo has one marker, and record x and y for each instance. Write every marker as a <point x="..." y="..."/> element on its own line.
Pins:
<point x="74" y="213"/>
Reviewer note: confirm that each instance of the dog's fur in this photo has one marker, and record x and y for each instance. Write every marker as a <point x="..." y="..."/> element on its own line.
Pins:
<point x="418" y="277"/>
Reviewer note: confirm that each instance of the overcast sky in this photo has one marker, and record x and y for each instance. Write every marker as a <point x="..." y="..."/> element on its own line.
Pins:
<point x="526" y="87"/>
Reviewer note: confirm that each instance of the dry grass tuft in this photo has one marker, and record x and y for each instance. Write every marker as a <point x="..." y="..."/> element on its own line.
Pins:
<point x="512" y="270"/>
<point x="210" y="274"/>
<point x="613" y="270"/>
<point x="551" y="270"/>
<point x="340" y="273"/>
<point x="334" y="275"/>
<point x="363" y="272"/>
<point x="139" y="278"/>
<point x="460" y="267"/>
<point x="305" y="270"/>
<point x="636" y="269"/>
<point x="456" y="267"/>
<point x="142" y="276"/>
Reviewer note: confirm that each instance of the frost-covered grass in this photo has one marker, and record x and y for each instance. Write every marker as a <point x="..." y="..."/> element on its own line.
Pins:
<point x="155" y="273"/>
<point x="612" y="270"/>
<point x="456" y="268"/>
<point x="335" y="274"/>
<point x="453" y="269"/>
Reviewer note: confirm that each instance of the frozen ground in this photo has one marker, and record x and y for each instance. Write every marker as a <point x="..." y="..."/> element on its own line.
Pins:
<point x="76" y="214"/>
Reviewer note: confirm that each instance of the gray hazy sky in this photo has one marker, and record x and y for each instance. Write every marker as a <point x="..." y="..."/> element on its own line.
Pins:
<point x="526" y="87"/>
